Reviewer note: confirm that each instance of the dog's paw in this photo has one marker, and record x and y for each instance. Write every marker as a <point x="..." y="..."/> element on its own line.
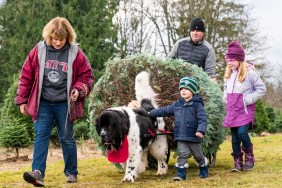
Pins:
<point x="141" y="168"/>
<point x="128" y="178"/>
<point x="161" y="172"/>
<point x="162" y="169"/>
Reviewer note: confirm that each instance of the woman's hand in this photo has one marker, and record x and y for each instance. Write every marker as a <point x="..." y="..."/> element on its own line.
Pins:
<point x="23" y="109"/>
<point x="74" y="95"/>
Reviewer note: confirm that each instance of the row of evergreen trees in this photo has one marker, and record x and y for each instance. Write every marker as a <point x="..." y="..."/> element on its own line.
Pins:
<point x="16" y="130"/>
<point x="21" y="24"/>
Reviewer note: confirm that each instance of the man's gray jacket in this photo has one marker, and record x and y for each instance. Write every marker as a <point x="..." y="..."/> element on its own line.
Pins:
<point x="201" y="54"/>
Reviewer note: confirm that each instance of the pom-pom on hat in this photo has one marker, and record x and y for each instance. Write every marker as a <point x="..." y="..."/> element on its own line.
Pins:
<point x="189" y="83"/>
<point x="235" y="51"/>
<point x="197" y="24"/>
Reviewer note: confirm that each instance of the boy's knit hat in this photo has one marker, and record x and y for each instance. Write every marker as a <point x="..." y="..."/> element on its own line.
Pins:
<point x="235" y="51"/>
<point x="197" y="24"/>
<point x="189" y="83"/>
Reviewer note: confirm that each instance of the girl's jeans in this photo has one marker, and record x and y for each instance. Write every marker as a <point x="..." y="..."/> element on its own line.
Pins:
<point x="48" y="114"/>
<point x="240" y="136"/>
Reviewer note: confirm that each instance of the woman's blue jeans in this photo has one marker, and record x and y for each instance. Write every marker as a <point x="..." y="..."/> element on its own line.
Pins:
<point x="240" y="136"/>
<point x="48" y="114"/>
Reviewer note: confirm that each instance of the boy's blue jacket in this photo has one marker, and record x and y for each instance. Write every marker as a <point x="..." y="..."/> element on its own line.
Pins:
<point x="189" y="118"/>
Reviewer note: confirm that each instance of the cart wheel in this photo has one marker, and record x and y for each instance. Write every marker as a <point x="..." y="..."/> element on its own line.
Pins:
<point x="211" y="158"/>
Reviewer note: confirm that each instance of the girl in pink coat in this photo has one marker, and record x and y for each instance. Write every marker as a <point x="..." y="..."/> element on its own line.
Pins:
<point x="242" y="88"/>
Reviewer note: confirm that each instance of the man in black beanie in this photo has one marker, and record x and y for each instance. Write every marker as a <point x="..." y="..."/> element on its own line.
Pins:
<point x="195" y="49"/>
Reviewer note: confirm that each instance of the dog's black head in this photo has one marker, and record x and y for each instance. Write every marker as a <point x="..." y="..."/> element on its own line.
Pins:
<point x="147" y="105"/>
<point x="111" y="126"/>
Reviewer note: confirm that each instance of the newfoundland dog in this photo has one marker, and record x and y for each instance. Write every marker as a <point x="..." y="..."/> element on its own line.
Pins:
<point x="130" y="134"/>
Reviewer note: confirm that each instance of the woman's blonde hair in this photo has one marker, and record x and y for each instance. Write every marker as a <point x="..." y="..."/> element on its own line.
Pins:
<point x="242" y="71"/>
<point x="59" y="27"/>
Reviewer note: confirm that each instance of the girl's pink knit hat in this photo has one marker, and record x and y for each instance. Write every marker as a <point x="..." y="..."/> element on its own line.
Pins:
<point x="235" y="51"/>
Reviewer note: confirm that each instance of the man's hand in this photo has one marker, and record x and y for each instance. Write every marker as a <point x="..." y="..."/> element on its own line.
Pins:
<point x="214" y="80"/>
<point x="134" y="104"/>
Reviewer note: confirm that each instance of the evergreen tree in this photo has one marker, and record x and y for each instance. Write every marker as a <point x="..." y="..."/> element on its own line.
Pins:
<point x="275" y="119"/>
<point x="21" y="26"/>
<point x="158" y="24"/>
<point x="22" y="22"/>
<point x="16" y="129"/>
<point x="14" y="135"/>
<point x="92" y="21"/>
<point x="270" y="114"/>
<point x="278" y="126"/>
<point x="262" y="122"/>
<point x="116" y="88"/>
<point x="9" y="109"/>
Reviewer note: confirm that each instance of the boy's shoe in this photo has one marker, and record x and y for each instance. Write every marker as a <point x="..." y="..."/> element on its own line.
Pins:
<point x="181" y="173"/>
<point x="176" y="178"/>
<point x="71" y="179"/>
<point x="35" y="178"/>
<point x="204" y="172"/>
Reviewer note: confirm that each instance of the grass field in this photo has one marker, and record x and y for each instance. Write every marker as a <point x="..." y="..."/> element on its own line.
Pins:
<point x="98" y="172"/>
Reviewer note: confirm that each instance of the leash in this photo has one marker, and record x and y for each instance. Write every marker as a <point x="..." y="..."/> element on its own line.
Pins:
<point x="161" y="132"/>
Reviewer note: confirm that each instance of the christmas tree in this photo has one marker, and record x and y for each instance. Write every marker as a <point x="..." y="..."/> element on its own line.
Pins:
<point x="116" y="88"/>
<point x="14" y="135"/>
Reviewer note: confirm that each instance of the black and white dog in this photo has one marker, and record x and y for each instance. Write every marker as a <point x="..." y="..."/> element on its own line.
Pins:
<point x="119" y="125"/>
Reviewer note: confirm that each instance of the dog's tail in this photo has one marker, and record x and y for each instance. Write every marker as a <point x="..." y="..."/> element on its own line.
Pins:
<point x="143" y="89"/>
<point x="148" y="99"/>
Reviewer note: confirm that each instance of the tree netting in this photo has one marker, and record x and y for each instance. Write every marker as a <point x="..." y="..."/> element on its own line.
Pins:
<point x="116" y="88"/>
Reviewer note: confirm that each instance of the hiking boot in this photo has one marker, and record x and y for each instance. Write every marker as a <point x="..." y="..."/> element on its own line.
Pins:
<point x="35" y="178"/>
<point x="249" y="158"/>
<point x="71" y="179"/>
<point x="238" y="162"/>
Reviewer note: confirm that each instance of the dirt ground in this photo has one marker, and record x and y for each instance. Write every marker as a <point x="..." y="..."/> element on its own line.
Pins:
<point x="8" y="161"/>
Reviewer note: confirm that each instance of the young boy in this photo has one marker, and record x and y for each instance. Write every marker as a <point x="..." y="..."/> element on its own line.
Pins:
<point x="189" y="127"/>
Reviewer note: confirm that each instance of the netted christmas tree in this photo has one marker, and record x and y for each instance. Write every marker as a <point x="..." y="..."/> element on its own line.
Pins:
<point x="116" y="88"/>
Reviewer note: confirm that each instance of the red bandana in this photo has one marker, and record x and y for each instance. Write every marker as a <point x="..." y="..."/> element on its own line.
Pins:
<point x="121" y="155"/>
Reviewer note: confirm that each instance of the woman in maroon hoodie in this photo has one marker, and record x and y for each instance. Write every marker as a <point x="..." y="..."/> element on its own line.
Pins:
<point x="54" y="82"/>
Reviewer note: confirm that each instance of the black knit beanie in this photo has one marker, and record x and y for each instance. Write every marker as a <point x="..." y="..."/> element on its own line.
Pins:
<point x="197" y="24"/>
